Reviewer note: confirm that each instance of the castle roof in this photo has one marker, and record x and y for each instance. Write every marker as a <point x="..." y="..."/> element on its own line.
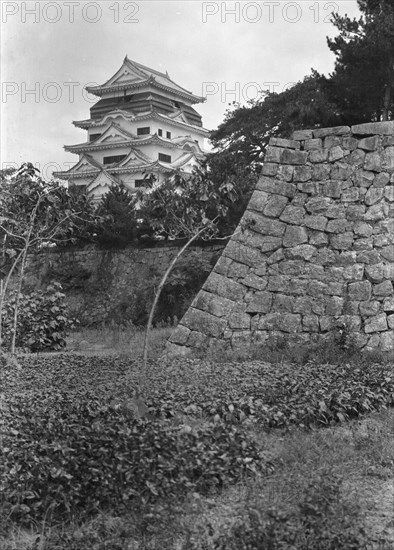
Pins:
<point x="132" y="76"/>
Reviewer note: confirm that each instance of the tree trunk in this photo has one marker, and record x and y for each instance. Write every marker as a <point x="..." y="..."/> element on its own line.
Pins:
<point x="4" y="290"/>
<point x="21" y="275"/>
<point x="388" y="92"/>
<point x="17" y="301"/>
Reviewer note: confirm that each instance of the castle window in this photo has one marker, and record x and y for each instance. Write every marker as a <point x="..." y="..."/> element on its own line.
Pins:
<point x="168" y="134"/>
<point x="143" y="131"/>
<point x="160" y="132"/>
<point x="164" y="158"/>
<point x="114" y="159"/>
<point x="139" y="183"/>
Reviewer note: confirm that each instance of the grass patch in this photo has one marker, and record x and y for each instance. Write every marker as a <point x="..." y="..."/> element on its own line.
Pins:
<point x="125" y="339"/>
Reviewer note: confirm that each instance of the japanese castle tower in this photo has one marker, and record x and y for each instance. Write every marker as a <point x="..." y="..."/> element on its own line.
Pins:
<point x="143" y="123"/>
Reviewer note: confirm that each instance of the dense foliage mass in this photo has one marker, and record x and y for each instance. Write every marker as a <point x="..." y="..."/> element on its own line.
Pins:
<point x="76" y="442"/>
<point x="43" y="322"/>
<point x="176" y="208"/>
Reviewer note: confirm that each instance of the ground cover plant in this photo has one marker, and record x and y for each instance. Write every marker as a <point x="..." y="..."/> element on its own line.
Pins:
<point x="78" y="447"/>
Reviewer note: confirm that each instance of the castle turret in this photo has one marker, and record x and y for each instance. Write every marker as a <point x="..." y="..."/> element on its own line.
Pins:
<point x="143" y="123"/>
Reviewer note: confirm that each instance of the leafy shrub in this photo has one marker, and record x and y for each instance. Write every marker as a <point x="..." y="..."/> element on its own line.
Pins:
<point x="42" y="322"/>
<point x="65" y="456"/>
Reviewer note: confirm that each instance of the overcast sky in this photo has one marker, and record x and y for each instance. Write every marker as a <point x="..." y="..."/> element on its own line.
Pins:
<point x="227" y="51"/>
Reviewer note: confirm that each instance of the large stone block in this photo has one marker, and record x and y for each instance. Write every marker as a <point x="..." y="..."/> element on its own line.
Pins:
<point x="356" y="158"/>
<point x="274" y="206"/>
<point x="213" y="304"/>
<point x="310" y="323"/>
<point x="294" y="236"/>
<point x="350" y="195"/>
<point x="237" y="270"/>
<point x="370" y="128"/>
<point x="341" y="171"/>
<point x="389" y="193"/>
<point x="318" y="205"/>
<point x="289" y="156"/>
<point x="245" y="254"/>
<point x="301" y="252"/>
<point x="376" y="212"/>
<point x="282" y="302"/>
<point x="360" y="291"/>
<point x="338" y="226"/>
<point x="353" y="272"/>
<point x="363" y="178"/>
<point x="321" y="172"/>
<point x="260" y="303"/>
<point x="290" y="322"/>
<point x="302" y="135"/>
<point x="318" y="156"/>
<point x="259" y="223"/>
<point x="378" y="323"/>
<point x="293" y="214"/>
<point x="369" y="143"/>
<point x="388" y="159"/>
<point x="387" y="341"/>
<point x="344" y="241"/>
<point x="388" y="305"/>
<point x="362" y="229"/>
<point x="273" y="154"/>
<point x="317" y="289"/>
<point x="374" y="272"/>
<point x="180" y="335"/>
<point x="373" y="162"/>
<point x="333" y="305"/>
<point x="258" y="200"/>
<point x="285" y="172"/>
<point x="335" y="153"/>
<point x="313" y="144"/>
<point x="373" y="195"/>
<point x="222" y="286"/>
<point x="381" y="180"/>
<point x="239" y="319"/>
<point x="302" y="173"/>
<point x="269" y="169"/>
<point x="277" y="187"/>
<point x="369" y="309"/>
<point x="318" y="239"/>
<point x="332" y="188"/>
<point x="317" y="223"/>
<point x="292" y="267"/>
<point x="333" y="131"/>
<point x="197" y="340"/>
<point x="383" y="289"/>
<point x="204" y="323"/>
<point x="281" y="142"/>
<point x="254" y="281"/>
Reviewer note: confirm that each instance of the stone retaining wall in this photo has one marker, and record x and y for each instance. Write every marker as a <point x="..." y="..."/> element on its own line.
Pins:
<point x="314" y="251"/>
<point x="105" y="285"/>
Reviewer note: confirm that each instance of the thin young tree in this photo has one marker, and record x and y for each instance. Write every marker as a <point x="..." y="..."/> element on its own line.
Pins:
<point x="185" y="206"/>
